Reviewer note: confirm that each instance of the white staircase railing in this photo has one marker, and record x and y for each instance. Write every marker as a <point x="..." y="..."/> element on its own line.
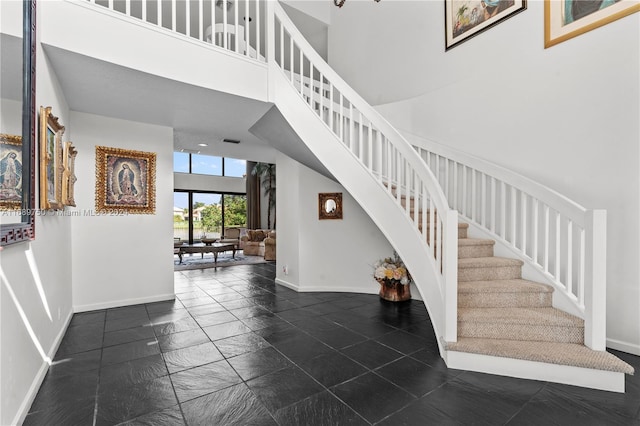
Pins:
<point x="562" y="240"/>
<point x="379" y="148"/>
<point x="235" y="25"/>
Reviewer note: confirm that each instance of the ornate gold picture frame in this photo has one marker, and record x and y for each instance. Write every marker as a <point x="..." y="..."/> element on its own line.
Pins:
<point x="51" y="166"/>
<point x="10" y="172"/>
<point x="125" y="181"/>
<point x="68" y="175"/>
<point x="330" y="205"/>
<point x="566" y="19"/>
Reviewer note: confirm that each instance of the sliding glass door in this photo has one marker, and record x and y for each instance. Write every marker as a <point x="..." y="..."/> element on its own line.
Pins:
<point x="199" y="215"/>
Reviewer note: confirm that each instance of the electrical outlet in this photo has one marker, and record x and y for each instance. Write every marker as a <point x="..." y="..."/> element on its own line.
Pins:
<point x="285" y="269"/>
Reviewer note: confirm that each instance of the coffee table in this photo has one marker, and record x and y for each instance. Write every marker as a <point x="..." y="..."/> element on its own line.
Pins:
<point x="214" y="248"/>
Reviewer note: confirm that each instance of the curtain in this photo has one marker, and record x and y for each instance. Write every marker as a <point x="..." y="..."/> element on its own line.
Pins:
<point x="253" y="198"/>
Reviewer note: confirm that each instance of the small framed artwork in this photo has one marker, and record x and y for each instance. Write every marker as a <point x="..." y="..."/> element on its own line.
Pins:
<point x="125" y="181"/>
<point x="565" y="19"/>
<point x="330" y="205"/>
<point x="10" y="172"/>
<point x="465" y="19"/>
<point x="69" y="176"/>
<point x="50" y="161"/>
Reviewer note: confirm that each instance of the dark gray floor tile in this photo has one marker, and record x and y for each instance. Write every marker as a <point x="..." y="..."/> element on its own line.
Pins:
<point x="75" y="363"/>
<point x="332" y="368"/>
<point x="159" y="318"/>
<point x="258" y="363"/>
<point x="167" y="417"/>
<point x="208" y="309"/>
<point x="263" y="321"/>
<point x="413" y="376"/>
<point x="371" y="354"/>
<point x="222" y="331"/>
<point x="192" y="356"/>
<point x="58" y="392"/>
<point x="301" y="347"/>
<point x="283" y="387"/>
<point x="233" y="406"/>
<point x="238" y="345"/>
<point x="373" y="397"/>
<point x="128" y="335"/>
<point x="558" y="403"/>
<point x="133" y="372"/>
<point x="402" y="342"/>
<point x="370" y="329"/>
<point x="322" y="409"/>
<point x="127" y="312"/>
<point x="78" y="413"/>
<point x="419" y="413"/>
<point x="84" y="318"/>
<point x="215" y="319"/>
<point x="199" y="381"/>
<point x="130" y="351"/>
<point x="184" y="339"/>
<point x="124" y="323"/>
<point x="175" y="326"/>
<point x="201" y="301"/>
<point x="248" y="312"/>
<point x="338" y="337"/>
<point x="238" y="304"/>
<point x="169" y="305"/>
<point x="119" y="404"/>
<point x="81" y="338"/>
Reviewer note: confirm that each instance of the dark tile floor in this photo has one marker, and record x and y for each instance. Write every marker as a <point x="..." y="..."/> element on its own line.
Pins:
<point x="234" y="348"/>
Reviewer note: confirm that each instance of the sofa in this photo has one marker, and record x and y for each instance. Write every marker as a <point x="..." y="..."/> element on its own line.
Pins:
<point x="253" y="243"/>
<point x="270" y="246"/>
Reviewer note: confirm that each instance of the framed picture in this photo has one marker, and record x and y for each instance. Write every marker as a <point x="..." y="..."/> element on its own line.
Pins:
<point x="69" y="175"/>
<point x="125" y="181"/>
<point x="467" y="18"/>
<point x="10" y="172"/>
<point x="330" y="205"/>
<point x="565" y="19"/>
<point x="50" y="160"/>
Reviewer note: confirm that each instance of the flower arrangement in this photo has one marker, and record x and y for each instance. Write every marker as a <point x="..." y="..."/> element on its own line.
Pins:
<point x="391" y="270"/>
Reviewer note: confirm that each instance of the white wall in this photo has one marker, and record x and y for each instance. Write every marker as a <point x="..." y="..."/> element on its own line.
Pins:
<point x="566" y="116"/>
<point x="198" y="182"/>
<point x="35" y="293"/>
<point x="121" y="260"/>
<point x="323" y="255"/>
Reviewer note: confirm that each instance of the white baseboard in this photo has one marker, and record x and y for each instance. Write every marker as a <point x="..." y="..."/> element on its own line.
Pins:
<point x="338" y="289"/>
<point x="23" y="410"/>
<point x="123" y="302"/>
<point x="621" y="346"/>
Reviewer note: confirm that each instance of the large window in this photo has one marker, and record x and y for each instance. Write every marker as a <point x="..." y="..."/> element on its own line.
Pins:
<point x="184" y="162"/>
<point x="200" y="215"/>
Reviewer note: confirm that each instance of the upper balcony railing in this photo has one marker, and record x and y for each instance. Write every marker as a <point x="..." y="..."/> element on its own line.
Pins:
<point x="235" y="25"/>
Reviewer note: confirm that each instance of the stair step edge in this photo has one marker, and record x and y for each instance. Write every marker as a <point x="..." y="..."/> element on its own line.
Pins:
<point x="488" y="262"/>
<point x="570" y="354"/>
<point x="504" y="286"/>
<point x="546" y="316"/>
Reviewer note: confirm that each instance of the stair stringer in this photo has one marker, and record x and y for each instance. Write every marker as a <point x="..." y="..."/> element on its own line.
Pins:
<point x="372" y="196"/>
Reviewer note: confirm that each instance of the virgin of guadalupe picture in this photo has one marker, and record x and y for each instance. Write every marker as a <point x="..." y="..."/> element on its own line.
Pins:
<point x="125" y="180"/>
<point x="10" y="171"/>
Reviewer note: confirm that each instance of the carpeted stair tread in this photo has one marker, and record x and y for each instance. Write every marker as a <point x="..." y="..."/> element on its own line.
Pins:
<point x="488" y="262"/>
<point x="475" y="242"/>
<point x="520" y="316"/>
<point x="549" y="352"/>
<point x="504" y="286"/>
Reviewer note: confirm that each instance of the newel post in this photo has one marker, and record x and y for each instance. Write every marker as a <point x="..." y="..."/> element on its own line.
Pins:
<point x="450" y="265"/>
<point x="595" y="291"/>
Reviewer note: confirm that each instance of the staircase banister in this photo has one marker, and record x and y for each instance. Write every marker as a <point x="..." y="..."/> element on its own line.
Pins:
<point x="404" y="147"/>
<point x="550" y="197"/>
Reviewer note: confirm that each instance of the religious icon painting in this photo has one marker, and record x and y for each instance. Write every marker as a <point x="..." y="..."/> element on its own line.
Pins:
<point x="50" y="161"/>
<point x="125" y="181"/>
<point x="10" y="172"/>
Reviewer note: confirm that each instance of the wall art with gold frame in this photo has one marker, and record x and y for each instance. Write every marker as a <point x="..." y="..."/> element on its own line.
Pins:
<point x="330" y="205"/>
<point x="10" y="172"/>
<point x="125" y="181"/>
<point x="565" y="19"/>
<point x="69" y="175"/>
<point x="51" y="163"/>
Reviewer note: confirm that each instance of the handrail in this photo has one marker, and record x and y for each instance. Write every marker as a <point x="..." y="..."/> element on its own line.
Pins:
<point x="378" y="147"/>
<point x="556" y="236"/>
